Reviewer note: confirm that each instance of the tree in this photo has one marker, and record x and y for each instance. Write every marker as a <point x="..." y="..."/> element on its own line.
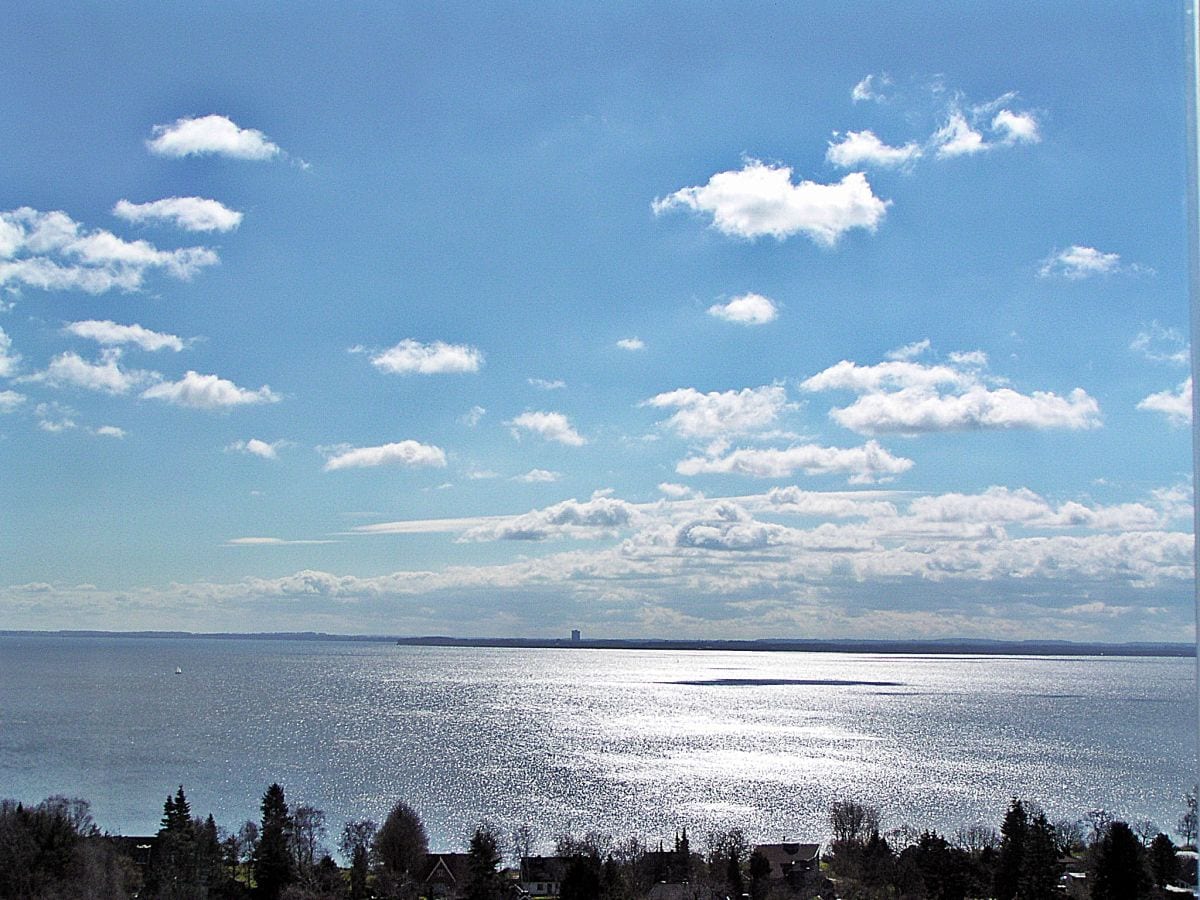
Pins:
<point x="523" y="838"/>
<point x="1164" y="864"/>
<point x="1188" y="821"/>
<point x="581" y="881"/>
<point x="483" y="861"/>
<point x="355" y="844"/>
<point x="760" y="875"/>
<point x="273" y="868"/>
<point x="1039" y="870"/>
<point x="852" y="822"/>
<point x="401" y="843"/>
<point x="1011" y="859"/>
<point x="308" y="831"/>
<point x="1119" y="867"/>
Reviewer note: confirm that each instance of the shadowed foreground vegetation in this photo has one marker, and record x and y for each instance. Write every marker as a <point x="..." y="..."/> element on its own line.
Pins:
<point x="55" y="850"/>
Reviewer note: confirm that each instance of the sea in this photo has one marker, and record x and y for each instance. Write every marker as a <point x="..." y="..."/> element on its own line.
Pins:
<point x="624" y="742"/>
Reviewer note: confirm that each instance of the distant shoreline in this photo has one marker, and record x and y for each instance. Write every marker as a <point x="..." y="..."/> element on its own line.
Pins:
<point x="950" y="647"/>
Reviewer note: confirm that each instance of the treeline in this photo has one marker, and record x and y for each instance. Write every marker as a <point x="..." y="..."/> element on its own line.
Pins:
<point x="55" y="850"/>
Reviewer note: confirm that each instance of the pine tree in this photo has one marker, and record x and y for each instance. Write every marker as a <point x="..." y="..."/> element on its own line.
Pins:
<point x="1011" y="862"/>
<point x="272" y="857"/>
<point x="483" y="861"/>
<point x="1119" y="866"/>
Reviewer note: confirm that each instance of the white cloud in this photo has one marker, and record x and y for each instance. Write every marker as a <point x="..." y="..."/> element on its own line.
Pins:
<point x="212" y="134"/>
<point x="1078" y="262"/>
<point x="552" y="426"/>
<point x="71" y="370"/>
<point x="746" y="309"/>
<point x="208" y="392"/>
<point x="865" y="464"/>
<point x="1176" y="405"/>
<point x="957" y="138"/>
<point x="472" y="416"/>
<point x="1016" y="128"/>
<point x="543" y="385"/>
<point x="269" y="542"/>
<point x="8" y="359"/>
<point x="258" y="448"/>
<point x="971" y="359"/>
<point x="678" y="491"/>
<point x="598" y="517"/>
<point x="54" y="417"/>
<point x="863" y="147"/>
<point x="917" y="410"/>
<point x="51" y="251"/>
<point x="412" y="357"/>
<point x="871" y="88"/>
<point x="109" y="431"/>
<point x="10" y="400"/>
<point x="1159" y="344"/>
<point x="910" y="398"/>
<point x="538" y="476"/>
<point x="721" y="413"/>
<point x="189" y="213"/>
<point x="909" y="351"/>
<point x="403" y="453"/>
<point x="631" y="343"/>
<point x="761" y="199"/>
<point x="112" y="334"/>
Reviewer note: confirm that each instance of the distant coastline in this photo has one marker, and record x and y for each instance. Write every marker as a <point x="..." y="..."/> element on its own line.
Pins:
<point x="922" y="647"/>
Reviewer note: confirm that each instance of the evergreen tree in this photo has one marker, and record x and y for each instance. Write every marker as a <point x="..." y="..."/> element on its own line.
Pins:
<point x="581" y="881"/>
<point x="1011" y="858"/>
<point x="1164" y="864"/>
<point x="401" y="844"/>
<point x="483" y="861"/>
<point x="272" y="856"/>
<point x="733" y="874"/>
<point x="1039" y="870"/>
<point x="760" y="875"/>
<point x="1119" y="866"/>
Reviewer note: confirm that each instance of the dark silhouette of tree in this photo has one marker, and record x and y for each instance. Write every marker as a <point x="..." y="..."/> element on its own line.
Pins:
<point x="355" y="845"/>
<point x="760" y="876"/>
<point x="1119" y="866"/>
<point x="1164" y="864"/>
<point x="581" y="881"/>
<point x="53" y="850"/>
<point x="401" y="844"/>
<point x="1039" y="869"/>
<point x="1010" y="860"/>
<point x="483" y="861"/>
<point x="852" y="822"/>
<point x="308" y="831"/>
<point x="273" y="864"/>
<point x="1188" y="821"/>
<point x="942" y="869"/>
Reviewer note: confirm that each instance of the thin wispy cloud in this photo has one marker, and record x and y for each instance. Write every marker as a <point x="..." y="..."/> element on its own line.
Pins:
<point x="255" y="447"/>
<point x="1077" y="262"/>
<point x="857" y="148"/>
<point x="109" y="333"/>
<point x="631" y="343"/>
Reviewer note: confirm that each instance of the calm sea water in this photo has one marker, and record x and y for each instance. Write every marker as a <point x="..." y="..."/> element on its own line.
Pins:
<point x="624" y="741"/>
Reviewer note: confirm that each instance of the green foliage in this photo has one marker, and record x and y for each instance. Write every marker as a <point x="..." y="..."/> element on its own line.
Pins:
<point x="483" y="861"/>
<point x="401" y="843"/>
<point x="53" y="850"/>
<point x="273" y="868"/>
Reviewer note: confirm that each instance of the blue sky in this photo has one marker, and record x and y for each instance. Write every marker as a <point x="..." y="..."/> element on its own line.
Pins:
<point x="653" y="320"/>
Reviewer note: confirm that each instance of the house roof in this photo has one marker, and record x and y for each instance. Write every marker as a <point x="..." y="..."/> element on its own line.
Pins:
<point x="543" y="868"/>
<point x="783" y="856"/>
<point x="448" y="868"/>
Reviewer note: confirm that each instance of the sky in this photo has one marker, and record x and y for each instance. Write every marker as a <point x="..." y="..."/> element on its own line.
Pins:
<point x="652" y="319"/>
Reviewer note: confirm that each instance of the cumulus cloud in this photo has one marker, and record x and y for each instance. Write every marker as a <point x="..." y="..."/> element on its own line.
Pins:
<point x="1016" y="128"/>
<point x="1175" y="404"/>
<point x="210" y="135"/>
<point x="760" y="199"/>
<point x="188" y="213"/>
<point x="51" y="251"/>
<point x="601" y="516"/>
<point x="9" y="360"/>
<point x="911" y="398"/>
<point x="856" y="148"/>
<point x="909" y="351"/>
<point x="552" y="426"/>
<point x="871" y="88"/>
<point x="255" y="447"/>
<point x="208" y="392"/>
<point x="678" y="491"/>
<point x="412" y="357"/>
<point x="631" y="343"/>
<point x="1078" y="262"/>
<point x="403" y="453"/>
<point x="720" y="413"/>
<point x="538" y="476"/>
<point x="957" y="138"/>
<point x="111" y="334"/>
<point x="71" y="370"/>
<point x="1159" y="344"/>
<point x="746" y="309"/>
<point x="864" y="465"/>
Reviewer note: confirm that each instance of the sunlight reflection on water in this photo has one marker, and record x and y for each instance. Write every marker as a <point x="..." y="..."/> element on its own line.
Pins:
<point x="588" y="739"/>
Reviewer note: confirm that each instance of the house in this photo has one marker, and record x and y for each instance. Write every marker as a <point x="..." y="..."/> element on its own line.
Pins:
<point x="542" y="876"/>
<point x="445" y="875"/>
<point x="790" y="863"/>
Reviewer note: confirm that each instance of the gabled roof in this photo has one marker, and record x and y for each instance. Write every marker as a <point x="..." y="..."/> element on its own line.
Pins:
<point x="783" y="856"/>
<point x="447" y="868"/>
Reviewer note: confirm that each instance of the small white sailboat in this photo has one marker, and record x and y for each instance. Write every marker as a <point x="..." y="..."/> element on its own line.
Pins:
<point x="178" y="671"/>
